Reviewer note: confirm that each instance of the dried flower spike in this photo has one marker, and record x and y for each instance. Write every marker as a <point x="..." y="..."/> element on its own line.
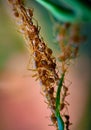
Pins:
<point x="45" y="62"/>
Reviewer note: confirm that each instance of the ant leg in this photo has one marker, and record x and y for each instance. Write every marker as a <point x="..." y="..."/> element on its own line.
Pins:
<point x="38" y="27"/>
<point x="47" y="103"/>
<point x="67" y="103"/>
<point x="29" y="63"/>
<point x="51" y="125"/>
<point x="34" y="75"/>
<point x="69" y="82"/>
<point x="42" y="93"/>
<point x="34" y="70"/>
<point x="64" y="107"/>
<point x="65" y="89"/>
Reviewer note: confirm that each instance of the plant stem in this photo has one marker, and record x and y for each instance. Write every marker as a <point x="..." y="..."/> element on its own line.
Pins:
<point x="59" y="118"/>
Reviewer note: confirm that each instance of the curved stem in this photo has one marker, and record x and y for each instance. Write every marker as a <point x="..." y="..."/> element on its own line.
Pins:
<point x="59" y="119"/>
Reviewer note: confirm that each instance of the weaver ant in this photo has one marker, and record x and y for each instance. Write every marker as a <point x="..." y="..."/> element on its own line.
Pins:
<point x="63" y="102"/>
<point x="29" y="13"/>
<point x="41" y="46"/>
<point x="51" y="91"/>
<point x="50" y="97"/>
<point x="53" y="118"/>
<point x="67" y="122"/>
<point x="49" y="51"/>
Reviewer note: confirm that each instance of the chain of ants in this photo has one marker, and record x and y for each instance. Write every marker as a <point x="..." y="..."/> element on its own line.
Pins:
<point x="69" y="39"/>
<point x="45" y="63"/>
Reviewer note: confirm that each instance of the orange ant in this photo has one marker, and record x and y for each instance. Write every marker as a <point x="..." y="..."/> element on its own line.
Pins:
<point x="29" y="13"/>
<point x="51" y="91"/>
<point x="41" y="47"/>
<point x="63" y="105"/>
<point x="63" y="102"/>
<point x="16" y="2"/>
<point x="66" y="53"/>
<point x="65" y="89"/>
<point x="36" y="41"/>
<point x="53" y="118"/>
<point x="32" y="32"/>
<point x="49" y="51"/>
<point x="45" y="77"/>
<point x="16" y="13"/>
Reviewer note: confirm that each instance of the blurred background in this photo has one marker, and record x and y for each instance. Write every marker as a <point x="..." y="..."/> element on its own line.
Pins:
<point x="22" y="106"/>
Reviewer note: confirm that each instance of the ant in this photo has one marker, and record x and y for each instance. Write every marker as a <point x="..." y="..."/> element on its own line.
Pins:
<point x="53" y="118"/>
<point x="51" y="91"/>
<point x="63" y="102"/>
<point x="67" y="122"/>
<point x="29" y="13"/>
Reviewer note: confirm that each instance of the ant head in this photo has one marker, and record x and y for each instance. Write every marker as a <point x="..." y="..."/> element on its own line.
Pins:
<point x="67" y="117"/>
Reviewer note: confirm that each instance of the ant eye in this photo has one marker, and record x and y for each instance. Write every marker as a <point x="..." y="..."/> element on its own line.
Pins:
<point x="41" y="47"/>
<point x="51" y="80"/>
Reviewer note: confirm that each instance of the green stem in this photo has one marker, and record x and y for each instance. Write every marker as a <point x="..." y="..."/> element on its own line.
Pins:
<point x="59" y="118"/>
